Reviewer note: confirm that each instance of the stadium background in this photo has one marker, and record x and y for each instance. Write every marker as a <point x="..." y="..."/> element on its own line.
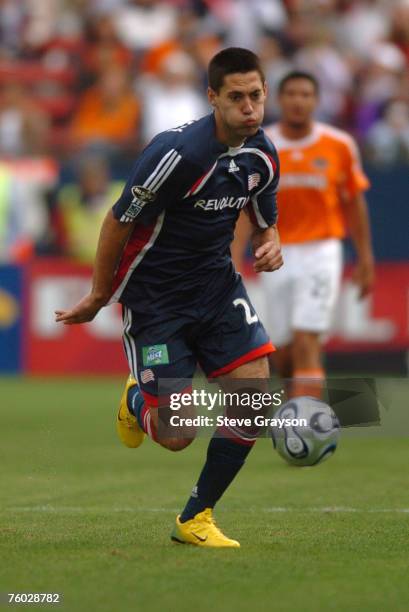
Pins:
<point x="84" y="85"/>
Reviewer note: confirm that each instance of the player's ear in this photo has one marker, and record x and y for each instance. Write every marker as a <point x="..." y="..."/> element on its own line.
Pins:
<point x="211" y="96"/>
<point x="265" y="88"/>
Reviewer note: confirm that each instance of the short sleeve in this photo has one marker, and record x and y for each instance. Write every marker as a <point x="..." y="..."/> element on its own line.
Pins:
<point x="154" y="182"/>
<point x="262" y="207"/>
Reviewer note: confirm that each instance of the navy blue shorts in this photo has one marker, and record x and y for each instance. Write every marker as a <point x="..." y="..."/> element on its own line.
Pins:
<point x="219" y="341"/>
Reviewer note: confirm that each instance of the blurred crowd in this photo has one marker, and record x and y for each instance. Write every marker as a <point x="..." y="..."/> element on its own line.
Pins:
<point x="85" y="84"/>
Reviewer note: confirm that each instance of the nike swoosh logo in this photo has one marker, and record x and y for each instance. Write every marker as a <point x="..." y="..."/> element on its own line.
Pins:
<point x="198" y="537"/>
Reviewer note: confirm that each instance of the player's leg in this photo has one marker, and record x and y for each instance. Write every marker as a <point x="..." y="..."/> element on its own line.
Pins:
<point x="234" y="348"/>
<point x="129" y="431"/>
<point x="315" y="293"/>
<point x="278" y="289"/>
<point x="308" y="373"/>
<point x="226" y="455"/>
<point x="154" y="359"/>
<point x="281" y="361"/>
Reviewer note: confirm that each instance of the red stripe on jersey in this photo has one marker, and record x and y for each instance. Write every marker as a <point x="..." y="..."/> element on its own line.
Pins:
<point x="139" y="238"/>
<point x="273" y="163"/>
<point x="195" y="185"/>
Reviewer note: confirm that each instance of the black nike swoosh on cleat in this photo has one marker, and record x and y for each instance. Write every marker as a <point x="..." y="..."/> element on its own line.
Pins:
<point x="198" y="537"/>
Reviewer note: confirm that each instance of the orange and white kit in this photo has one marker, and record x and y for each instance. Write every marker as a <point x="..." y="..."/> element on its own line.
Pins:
<point x="316" y="173"/>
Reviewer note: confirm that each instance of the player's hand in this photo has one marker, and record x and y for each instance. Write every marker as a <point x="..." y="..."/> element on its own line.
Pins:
<point x="363" y="276"/>
<point x="268" y="257"/>
<point x="84" y="311"/>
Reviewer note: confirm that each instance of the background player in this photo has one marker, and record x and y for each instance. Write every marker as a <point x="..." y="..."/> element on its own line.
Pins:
<point x="320" y="197"/>
<point x="164" y="254"/>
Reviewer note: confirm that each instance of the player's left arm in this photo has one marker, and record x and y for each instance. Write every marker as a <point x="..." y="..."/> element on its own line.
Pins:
<point x="265" y="243"/>
<point x="262" y="210"/>
<point x="356" y="216"/>
<point x="267" y="249"/>
<point x="357" y="219"/>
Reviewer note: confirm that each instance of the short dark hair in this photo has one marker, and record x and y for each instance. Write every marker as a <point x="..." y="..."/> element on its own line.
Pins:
<point x="298" y="74"/>
<point x="229" y="61"/>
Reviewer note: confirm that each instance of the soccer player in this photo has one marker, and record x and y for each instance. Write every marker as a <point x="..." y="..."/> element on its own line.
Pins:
<point x="164" y="254"/>
<point x="320" y="198"/>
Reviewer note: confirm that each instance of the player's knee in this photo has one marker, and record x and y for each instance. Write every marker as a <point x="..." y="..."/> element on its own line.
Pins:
<point x="176" y="444"/>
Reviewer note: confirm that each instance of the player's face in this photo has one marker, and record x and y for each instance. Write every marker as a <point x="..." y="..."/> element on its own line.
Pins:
<point x="298" y="102"/>
<point x="239" y="106"/>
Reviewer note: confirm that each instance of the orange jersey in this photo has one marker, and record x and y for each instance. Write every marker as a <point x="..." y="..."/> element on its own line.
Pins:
<point x="315" y="171"/>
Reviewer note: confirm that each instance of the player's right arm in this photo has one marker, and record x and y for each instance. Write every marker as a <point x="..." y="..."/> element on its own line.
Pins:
<point x="156" y="179"/>
<point x="112" y="240"/>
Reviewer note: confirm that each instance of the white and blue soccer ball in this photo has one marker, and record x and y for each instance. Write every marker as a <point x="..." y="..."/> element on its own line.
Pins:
<point x="311" y="442"/>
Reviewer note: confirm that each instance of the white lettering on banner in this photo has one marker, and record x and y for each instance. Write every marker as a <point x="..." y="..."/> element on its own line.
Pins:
<point x="49" y="294"/>
<point x="107" y="324"/>
<point x="354" y="322"/>
<point x="54" y="292"/>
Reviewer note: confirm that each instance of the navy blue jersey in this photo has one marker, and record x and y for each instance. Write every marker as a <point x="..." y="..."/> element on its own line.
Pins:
<point x="184" y="196"/>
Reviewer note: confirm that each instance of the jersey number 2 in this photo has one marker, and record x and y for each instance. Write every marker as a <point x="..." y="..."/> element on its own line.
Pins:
<point x="249" y="317"/>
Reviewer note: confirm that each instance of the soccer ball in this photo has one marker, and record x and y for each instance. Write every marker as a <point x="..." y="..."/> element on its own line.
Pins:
<point x="309" y="444"/>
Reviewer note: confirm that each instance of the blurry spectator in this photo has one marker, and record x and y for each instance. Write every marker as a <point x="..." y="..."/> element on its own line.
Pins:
<point x="171" y="98"/>
<point x="276" y="65"/>
<point x="24" y="217"/>
<point x="400" y="27"/>
<point x="42" y="17"/>
<point x="323" y="60"/>
<point x="358" y="49"/>
<point x="24" y="128"/>
<point x="83" y="206"/>
<point x="379" y="83"/>
<point x="388" y="139"/>
<point x="202" y="48"/>
<point x="95" y="7"/>
<point x="142" y="24"/>
<point x="12" y="16"/>
<point x="361" y="25"/>
<point x="108" y="114"/>
<point x="249" y="20"/>
<point x="103" y="48"/>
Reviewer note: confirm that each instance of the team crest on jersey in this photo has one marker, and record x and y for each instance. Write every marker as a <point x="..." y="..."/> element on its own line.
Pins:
<point x="320" y="162"/>
<point x="253" y="180"/>
<point x="141" y="197"/>
<point x="147" y="376"/>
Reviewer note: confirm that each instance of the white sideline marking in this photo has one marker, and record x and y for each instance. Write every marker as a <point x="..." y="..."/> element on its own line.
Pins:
<point x="131" y="509"/>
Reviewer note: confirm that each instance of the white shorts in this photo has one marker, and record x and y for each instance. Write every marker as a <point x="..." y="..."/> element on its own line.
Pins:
<point x="301" y="295"/>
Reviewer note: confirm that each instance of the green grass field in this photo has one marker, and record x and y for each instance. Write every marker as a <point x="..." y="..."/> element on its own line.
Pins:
<point x="83" y="516"/>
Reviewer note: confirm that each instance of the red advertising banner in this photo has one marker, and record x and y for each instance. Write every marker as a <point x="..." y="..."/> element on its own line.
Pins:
<point x="379" y="323"/>
<point x="53" y="348"/>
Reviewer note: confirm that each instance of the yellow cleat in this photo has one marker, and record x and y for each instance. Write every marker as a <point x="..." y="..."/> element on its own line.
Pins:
<point x="201" y="530"/>
<point x="127" y="426"/>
